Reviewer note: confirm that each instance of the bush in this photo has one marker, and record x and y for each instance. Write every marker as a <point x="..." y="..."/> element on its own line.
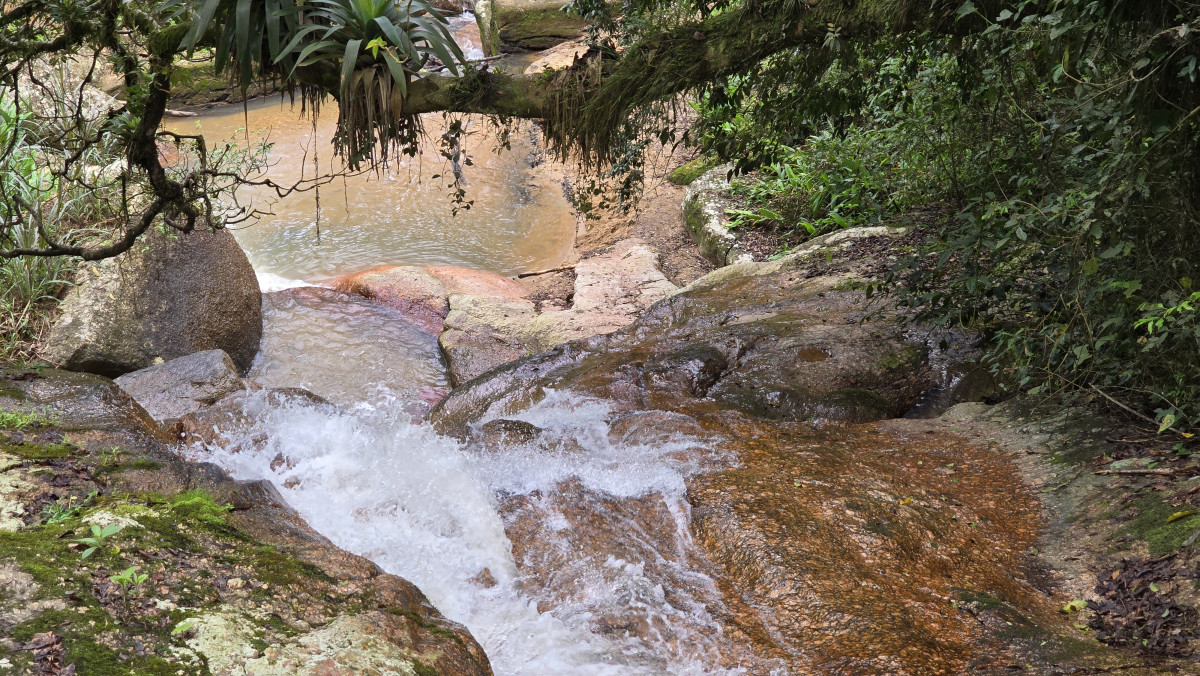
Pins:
<point x="1064" y="136"/>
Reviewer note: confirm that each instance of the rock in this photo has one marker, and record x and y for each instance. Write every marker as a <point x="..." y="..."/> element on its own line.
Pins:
<point x="528" y="24"/>
<point x="704" y="215"/>
<point x="486" y="320"/>
<point x="409" y="289"/>
<point x="228" y="420"/>
<point x="181" y="386"/>
<point x="611" y="289"/>
<point x="776" y="340"/>
<point x="496" y="433"/>
<point x="482" y="333"/>
<point x="176" y="295"/>
<point x="232" y="552"/>
<point x="558" y="57"/>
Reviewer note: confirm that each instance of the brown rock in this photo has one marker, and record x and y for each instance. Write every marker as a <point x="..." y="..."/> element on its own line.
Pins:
<point x="177" y="295"/>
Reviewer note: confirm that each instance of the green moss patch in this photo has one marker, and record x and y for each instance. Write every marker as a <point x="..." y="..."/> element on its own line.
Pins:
<point x="282" y="570"/>
<point x="35" y="452"/>
<point x="689" y="172"/>
<point x="1151" y="525"/>
<point x="905" y="359"/>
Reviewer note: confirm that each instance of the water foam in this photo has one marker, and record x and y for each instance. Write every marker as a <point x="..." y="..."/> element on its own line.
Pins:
<point x="431" y="510"/>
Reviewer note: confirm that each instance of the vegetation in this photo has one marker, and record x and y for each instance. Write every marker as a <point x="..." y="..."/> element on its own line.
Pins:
<point x="1060" y="136"/>
<point x="1061" y="140"/>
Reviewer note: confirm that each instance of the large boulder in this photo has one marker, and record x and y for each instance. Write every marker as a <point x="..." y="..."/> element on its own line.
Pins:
<point x="173" y="296"/>
<point x="173" y="389"/>
<point x="484" y="320"/>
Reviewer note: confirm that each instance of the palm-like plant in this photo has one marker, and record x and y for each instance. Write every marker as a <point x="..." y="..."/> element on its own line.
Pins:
<point x="373" y="46"/>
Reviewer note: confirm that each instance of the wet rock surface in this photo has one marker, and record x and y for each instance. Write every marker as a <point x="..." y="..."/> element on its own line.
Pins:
<point x="778" y="340"/>
<point x="816" y="536"/>
<point x="235" y="580"/>
<point x="177" y="295"/>
<point x="180" y="386"/>
<point x="484" y="320"/>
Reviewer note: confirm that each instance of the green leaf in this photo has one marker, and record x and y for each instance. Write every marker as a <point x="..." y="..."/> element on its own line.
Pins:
<point x="1182" y="514"/>
<point x="349" y="62"/>
<point x="200" y="24"/>
<point x="966" y="8"/>
<point x="1075" y="606"/>
<point x="244" y="55"/>
<point x="1167" y="421"/>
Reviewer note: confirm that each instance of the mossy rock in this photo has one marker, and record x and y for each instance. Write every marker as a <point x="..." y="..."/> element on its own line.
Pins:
<point x="538" y="28"/>
<point x="1151" y="525"/>
<point x="685" y="174"/>
<point x="197" y="84"/>
<point x="31" y="451"/>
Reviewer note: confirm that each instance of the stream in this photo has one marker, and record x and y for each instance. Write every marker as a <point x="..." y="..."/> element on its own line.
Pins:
<point x="629" y="594"/>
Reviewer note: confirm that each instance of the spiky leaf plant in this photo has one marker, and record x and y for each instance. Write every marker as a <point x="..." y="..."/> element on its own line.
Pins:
<point x="362" y="51"/>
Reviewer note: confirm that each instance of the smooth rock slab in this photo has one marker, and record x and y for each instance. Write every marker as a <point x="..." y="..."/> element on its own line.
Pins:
<point x="175" y="388"/>
<point x="486" y="320"/>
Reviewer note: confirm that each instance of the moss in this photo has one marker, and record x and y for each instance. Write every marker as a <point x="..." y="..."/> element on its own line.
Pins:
<point x="119" y="467"/>
<point x="907" y="358"/>
<point x="281" y="570"/>
<point x="538" y="28"/>
<point x="422" y="669"/>
<point x="11" y="391"/>
<point x="693" y="215"/>
<point x="42" y="552"/>
<point x="423" y="623"/>
<point x="199" y="506"/>
<point x="1151" y="525"/>
<point x="980" y="600"/>
<point x="854" y="284"/>
<point x="30" y="451"/>
<point x="684" y="175"/>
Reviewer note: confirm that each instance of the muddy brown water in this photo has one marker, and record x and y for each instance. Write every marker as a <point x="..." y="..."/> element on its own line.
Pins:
<point x="519" y="219"/>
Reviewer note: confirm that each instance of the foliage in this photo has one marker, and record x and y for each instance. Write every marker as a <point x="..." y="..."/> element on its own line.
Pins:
<point x="63" y="510"/>
<point x="20" y="420"/>
<point x="26" y="284"/>
<point x="130" y="580"/>
<point x="370" y="47"/>
<point x="99" y="539"/>
<point x="834" y="181"/>
<point x="1063" y="134"/>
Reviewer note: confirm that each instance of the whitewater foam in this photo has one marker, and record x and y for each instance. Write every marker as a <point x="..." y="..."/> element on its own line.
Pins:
<point x="429" y="509"/>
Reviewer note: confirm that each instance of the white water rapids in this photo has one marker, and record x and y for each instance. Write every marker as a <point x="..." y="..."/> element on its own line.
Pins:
<point x="599" y="576"/>
<point x="428" y="509"/>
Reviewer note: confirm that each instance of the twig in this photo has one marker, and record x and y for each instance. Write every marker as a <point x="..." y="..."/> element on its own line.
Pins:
<point x="1155" y="472"/>
<point x="563" y="268"/>
<point x="1130" y="410"/>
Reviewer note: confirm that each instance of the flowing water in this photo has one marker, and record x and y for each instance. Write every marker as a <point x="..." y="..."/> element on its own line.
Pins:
<point x="555" y="600"/>
<point x="570" y="557"/>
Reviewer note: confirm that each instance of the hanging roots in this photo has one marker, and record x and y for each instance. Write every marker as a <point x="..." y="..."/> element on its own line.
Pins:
<point x="368" y="130"/>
